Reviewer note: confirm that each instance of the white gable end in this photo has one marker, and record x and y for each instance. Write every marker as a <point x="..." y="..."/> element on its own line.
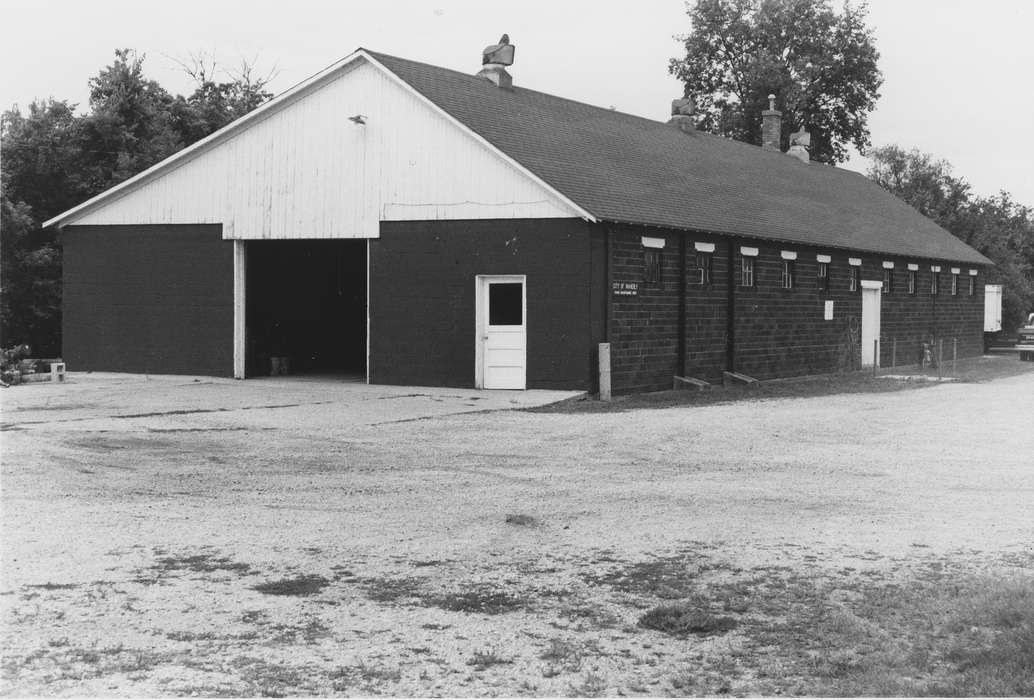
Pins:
<point x="306" y="171"/>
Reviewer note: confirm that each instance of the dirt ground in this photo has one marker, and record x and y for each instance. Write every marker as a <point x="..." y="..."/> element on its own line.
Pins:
<point x="171" y="536"/>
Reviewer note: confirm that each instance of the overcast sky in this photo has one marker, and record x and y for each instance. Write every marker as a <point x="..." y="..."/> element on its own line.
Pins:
<point x="957" y="73"/>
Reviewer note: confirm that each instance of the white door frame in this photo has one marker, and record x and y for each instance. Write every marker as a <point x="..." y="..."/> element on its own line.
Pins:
<point x="871" y="291"/>
<point x="240" y="328"/>
<point x="481" y="283"/>
<point x="240" y="308"/>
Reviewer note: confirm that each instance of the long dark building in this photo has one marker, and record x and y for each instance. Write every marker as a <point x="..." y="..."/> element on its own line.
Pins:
<point x="419" y="225"/>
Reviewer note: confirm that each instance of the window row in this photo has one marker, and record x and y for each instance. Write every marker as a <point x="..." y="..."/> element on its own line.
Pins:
<point x="701" y="271"/>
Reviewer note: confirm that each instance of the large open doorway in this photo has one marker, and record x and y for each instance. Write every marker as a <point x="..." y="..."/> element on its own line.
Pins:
<point x="306" y="307"/>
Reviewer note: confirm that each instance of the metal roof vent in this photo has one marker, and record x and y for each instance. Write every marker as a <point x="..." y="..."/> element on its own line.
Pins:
<point x="494" y="60"/>
<point x="682" y="114"/>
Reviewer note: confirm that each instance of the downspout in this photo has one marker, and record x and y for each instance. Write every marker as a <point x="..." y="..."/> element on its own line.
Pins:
<point x="730" y="312"/>
<point x="680" y="368"/>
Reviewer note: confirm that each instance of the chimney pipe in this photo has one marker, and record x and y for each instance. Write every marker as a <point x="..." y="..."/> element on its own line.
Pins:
<point x="771" y="126"/>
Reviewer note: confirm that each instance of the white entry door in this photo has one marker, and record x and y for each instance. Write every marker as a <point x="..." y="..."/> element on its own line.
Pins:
<point x="502" y="337"/>
<point x="871" y="322"/>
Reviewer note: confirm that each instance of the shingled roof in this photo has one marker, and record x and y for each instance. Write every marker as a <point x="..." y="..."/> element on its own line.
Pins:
<point x="625" y="168"/>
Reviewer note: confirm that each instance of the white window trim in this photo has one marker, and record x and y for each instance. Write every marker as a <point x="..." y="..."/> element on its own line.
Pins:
<point x="872" y="284"/>
<point x="913" y="267"/>
<point x="824" y="259"/>
<point x="972" y="273"/>
<point x="653" y="242"/>
<point x="703" y="247"/>
<point x="856" y="262"/>
<point x="888" y="265"/>
<point x="788" y="255"/>
<point x="748" y="251"/>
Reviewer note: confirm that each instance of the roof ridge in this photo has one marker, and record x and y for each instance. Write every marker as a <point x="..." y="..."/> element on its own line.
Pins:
<point x="605" y="110"/>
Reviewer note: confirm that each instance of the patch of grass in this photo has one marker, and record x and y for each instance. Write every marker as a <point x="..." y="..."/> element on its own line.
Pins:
<point x="483" y="658"/>
<point x="682" y="619"/>
<point x="188" y="636"/>
<point x="345" y="678"/>
<point x="593" y="685"/>
<point x="484" y="600"/>
<point x="272" y="680"/>
<point x="593" y="615"/>
<point x="521" y="519"/>
<point x="563" y="654"/>
<point x="297" y="586"/>
<point x="309" y="633"/>
<point x="48" y="586"/>
<point x="667" y="577"/>
<point x="200" y="563"/>
<point x="392" y="590"/>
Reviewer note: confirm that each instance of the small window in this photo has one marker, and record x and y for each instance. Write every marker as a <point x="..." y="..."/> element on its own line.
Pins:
<point x="652" y="265"/>
<point x="505" y="304"/>
<point x="972" y="285"/>
<point x="888" y="280"/>
<point x="954" y="283"/>
<point x="935" y="283"/>
<point x="788" y="274"/>
<point x="704" y="268"/>
<point x="823" y="280"/>
<point x="912" y="275"/>
<point x="853" y="278"/>
<point x="746" y="271"/>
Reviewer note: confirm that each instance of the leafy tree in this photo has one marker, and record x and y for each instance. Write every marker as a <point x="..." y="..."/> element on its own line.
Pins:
<point x="42" y="158"/>
<point x="54" y="159"/>
<point x="130" y="126"/>
<point x="214" y="104"/>
<point x="820" y="65"/>
<point x="997" y="226"/>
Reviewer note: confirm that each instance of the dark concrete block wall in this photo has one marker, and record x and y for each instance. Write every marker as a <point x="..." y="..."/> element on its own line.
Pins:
<point x="783" y="332"/>
<point x="422" y="299"/>
<point x="777" y="332"/>
<point x="910" y="320"/>
<point x="148" y="299"/>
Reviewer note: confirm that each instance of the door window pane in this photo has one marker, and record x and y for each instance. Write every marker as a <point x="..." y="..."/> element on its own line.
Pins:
<point x="506" y="304"/>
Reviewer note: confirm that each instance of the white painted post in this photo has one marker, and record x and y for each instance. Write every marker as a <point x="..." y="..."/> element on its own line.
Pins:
<point x="239" y="308"/>
<point x="604" y="358"/>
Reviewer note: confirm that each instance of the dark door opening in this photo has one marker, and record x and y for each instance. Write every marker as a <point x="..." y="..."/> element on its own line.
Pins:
<point x="306" y="307"/>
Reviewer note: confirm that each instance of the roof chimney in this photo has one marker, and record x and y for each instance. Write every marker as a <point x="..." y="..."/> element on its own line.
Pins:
<point x="771" y="122"/>
<point x="682" y="114"/>
<point x="494" y="60"/>
<point x="800" y="142"/>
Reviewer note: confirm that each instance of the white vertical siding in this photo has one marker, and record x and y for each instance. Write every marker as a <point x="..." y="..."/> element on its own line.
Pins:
<point x="306" y="171"/>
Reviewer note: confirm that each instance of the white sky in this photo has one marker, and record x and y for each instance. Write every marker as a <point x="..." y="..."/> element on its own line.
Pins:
<point x="957" y="73"/>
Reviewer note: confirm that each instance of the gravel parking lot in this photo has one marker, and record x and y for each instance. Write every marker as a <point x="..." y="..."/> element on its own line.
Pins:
<point x="172" y="536"/>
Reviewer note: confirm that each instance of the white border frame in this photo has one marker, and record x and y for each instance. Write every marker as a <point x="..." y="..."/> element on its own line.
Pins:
<point x="481" y="322"/>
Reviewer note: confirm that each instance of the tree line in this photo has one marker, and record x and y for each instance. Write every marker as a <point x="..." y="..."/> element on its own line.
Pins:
<point x="54" y="158"/>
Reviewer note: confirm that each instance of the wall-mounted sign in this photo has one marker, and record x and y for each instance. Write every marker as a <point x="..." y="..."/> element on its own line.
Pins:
<point x="626" y="289"/>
